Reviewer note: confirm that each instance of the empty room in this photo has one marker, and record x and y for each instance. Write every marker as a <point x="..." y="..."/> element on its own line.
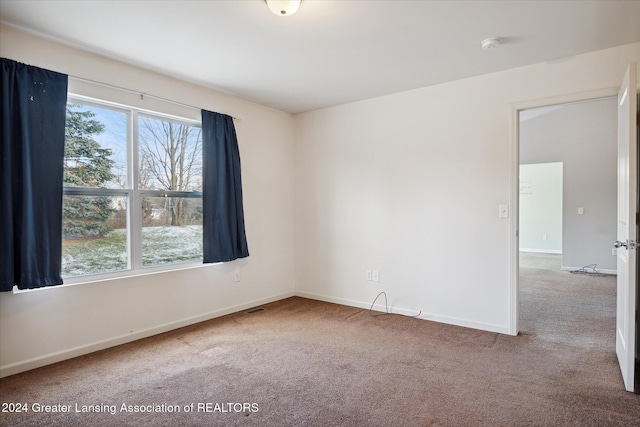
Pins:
<point x="285" y="213"/>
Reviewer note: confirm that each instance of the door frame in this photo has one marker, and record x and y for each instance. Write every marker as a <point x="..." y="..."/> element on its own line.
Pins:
<point x="514" y="189"/>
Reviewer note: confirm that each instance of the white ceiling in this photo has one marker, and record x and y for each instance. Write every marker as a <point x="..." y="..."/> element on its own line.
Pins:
<point x="330" y="52"/>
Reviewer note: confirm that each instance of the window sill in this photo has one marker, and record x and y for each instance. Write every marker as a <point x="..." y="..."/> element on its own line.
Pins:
<point x="125" y="274"/>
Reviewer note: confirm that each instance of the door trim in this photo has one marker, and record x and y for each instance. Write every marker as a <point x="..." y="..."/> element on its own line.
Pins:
<point x="514" y="187"/>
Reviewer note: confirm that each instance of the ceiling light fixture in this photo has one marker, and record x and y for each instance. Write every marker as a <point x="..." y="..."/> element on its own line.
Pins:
<point x="283" y="7"/>
<point x="490" y="43"/>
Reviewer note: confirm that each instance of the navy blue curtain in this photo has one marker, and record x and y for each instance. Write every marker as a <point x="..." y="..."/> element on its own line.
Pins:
<point x="33" y="127"/>
<point x="223" y="215"/>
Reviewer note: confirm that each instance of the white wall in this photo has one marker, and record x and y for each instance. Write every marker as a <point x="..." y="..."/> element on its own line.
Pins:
<point x="541" y="208"/>
<point x="584" y="137"/>
<point x="410" y="184"/>
<point x="407" y="184"/>
<point x="43" y="326"/>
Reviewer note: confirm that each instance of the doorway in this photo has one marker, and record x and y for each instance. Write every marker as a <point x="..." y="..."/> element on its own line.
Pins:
<point x="515" y="154"/>
<point x="541" y="215"/>
<point x="577" y="140"/>
<point x="568" y="182"/>
<point x="567" y="215"/>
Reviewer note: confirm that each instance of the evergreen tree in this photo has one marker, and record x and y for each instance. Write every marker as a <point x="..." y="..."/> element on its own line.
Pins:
<point x="87" y="164"/>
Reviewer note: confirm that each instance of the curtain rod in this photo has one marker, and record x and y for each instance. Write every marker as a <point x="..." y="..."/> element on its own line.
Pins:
<point x="142" y="94"/>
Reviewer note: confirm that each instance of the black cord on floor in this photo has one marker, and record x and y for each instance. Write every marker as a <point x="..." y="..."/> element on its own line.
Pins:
<point x="386" y="306"/>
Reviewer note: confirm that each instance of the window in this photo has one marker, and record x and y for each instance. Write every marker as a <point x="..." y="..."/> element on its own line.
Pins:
<point x="132" y="190"/>
<point x="170" y="183"/>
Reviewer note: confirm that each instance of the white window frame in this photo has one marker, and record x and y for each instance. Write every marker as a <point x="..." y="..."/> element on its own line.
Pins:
<point x="133" y="194"/>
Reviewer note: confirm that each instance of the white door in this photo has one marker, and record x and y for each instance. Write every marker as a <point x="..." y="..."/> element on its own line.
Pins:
<point x="627" y="239"/>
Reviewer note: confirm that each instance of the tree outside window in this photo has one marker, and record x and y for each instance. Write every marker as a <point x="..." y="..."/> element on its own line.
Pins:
<point x="100" y="188"/>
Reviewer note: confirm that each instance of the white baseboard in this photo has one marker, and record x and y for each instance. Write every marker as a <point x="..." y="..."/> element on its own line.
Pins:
<point x="542" y="251"/>
<point x="407" y="312"/>
<point x="37" y="362"/>
<point x="599" y="270"/>
<point x="48" y="359"/>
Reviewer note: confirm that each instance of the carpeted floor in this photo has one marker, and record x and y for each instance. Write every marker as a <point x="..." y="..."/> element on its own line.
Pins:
<point x="541" y="260"/>
<point x="308" y="363"/>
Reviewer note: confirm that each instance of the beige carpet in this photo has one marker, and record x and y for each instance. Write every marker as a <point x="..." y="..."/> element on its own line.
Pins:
<point x="541" y="260"/>
<point x="310" y="363"/>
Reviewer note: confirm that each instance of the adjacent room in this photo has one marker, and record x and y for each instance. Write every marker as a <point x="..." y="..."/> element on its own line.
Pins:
<point x="568" y="179"/>
<point x="319" y="213"/>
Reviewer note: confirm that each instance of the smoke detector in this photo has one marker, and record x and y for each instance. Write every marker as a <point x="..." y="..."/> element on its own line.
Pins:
<point x="490" y="43"/>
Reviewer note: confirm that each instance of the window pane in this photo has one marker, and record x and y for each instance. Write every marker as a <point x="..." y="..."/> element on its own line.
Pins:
<point x="94" y="234"/>
<point x="171" y="230"/>
<point x="95" y="153"/>
<point x="170" y="156"/>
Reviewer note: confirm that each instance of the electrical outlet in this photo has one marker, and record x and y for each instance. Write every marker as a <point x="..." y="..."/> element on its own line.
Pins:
<point x="376" y="276"/>
<point x="544" y="237"/>
<point x="236" y="275"/>
<point x="614" y="251"/>
<point x="369" y="275"/>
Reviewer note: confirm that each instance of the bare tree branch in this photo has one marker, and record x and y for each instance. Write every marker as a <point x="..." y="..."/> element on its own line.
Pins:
<point x="170" y="159"/>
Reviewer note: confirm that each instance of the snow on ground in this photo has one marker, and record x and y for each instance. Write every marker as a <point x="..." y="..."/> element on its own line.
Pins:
<point x="160" y="245"/>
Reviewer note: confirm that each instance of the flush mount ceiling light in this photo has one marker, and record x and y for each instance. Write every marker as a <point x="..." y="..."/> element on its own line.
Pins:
<point x="283" y="7"/>
<point x="490" y="43"/>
